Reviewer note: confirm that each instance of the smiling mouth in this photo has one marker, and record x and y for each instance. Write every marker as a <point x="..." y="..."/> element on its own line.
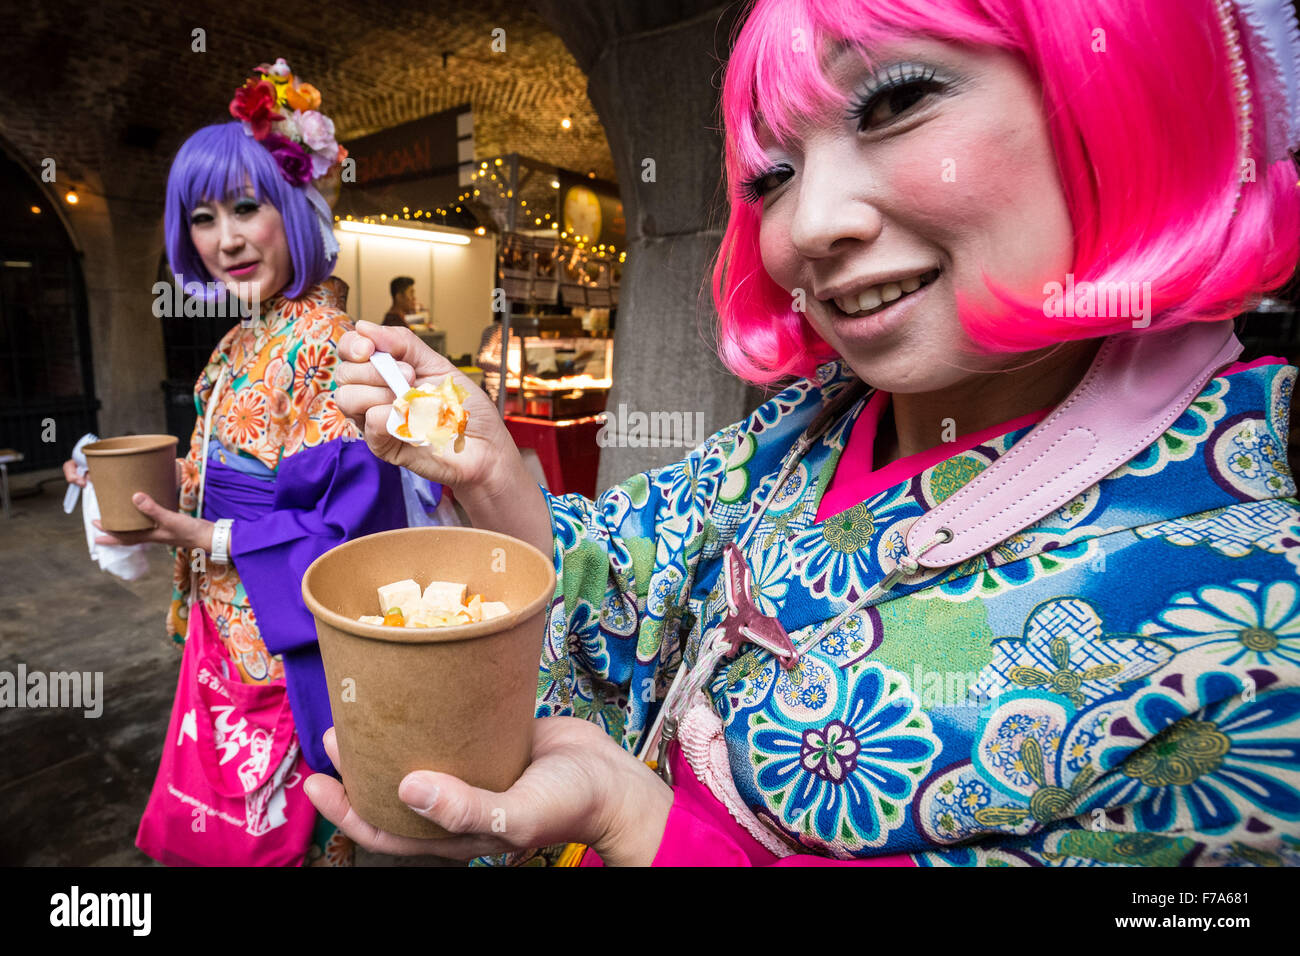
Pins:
<point x="880" y="297"/>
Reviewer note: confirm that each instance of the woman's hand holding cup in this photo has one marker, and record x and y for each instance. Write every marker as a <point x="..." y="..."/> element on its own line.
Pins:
<point x="581" y="787"/>
<point x="73" y="474"/>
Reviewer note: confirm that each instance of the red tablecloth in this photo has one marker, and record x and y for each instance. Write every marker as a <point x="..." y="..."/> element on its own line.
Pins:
<point x="567" y="449"/>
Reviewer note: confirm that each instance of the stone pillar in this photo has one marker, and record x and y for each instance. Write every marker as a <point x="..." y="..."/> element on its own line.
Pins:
<point x="653" y="74"/>
<point x="121" y="242"/>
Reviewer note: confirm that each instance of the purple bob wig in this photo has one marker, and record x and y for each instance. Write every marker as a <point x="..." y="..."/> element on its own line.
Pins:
<point x="219" y="162"/>
<point x="1145" y="137"/>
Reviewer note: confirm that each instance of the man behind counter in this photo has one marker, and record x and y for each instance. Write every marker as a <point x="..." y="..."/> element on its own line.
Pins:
<point x="404" y="301"/>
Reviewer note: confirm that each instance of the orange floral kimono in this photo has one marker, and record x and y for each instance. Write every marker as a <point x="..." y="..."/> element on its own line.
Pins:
<point x="276" y="400"/>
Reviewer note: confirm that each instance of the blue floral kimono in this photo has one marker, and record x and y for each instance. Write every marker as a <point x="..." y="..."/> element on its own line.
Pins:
<point x="1117" y="684"/>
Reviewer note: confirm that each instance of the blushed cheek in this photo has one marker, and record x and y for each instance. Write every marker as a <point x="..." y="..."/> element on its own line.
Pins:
<point x="990" y="191"/>
<point x="1010" y="162"/>
<point x="206" y="247"/>
<point x="956" y="179"/>
<point x="1014" y="179"/>
<point x="777" y="254"/>
<point x="274" y="247"/>
<point x="264" y="236"/>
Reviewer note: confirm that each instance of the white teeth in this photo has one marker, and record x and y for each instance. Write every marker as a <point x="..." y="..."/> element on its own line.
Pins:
<point x="879" y="295"/>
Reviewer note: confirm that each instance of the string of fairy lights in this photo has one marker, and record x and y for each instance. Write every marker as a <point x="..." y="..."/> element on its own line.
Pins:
<point x="486" y="179"/>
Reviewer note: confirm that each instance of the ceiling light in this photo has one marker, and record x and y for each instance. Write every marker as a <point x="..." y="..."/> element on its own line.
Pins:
<point x="405" y="232"/>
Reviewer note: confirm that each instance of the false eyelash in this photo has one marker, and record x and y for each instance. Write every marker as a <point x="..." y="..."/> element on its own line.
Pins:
<point x="896" y="77"/>
<point x="752" y="191"/>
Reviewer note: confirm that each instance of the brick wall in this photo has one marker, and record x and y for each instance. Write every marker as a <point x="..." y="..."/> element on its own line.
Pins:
<point x="111" y="90"/>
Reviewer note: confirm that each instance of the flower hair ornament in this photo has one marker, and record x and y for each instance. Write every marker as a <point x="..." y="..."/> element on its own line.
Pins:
<point x="284" y="115"/>
<point x="1263" y="42"/>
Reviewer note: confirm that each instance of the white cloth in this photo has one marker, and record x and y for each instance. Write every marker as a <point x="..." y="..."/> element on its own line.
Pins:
<point x="420" y="510"/>
<point x="126" y="561"/>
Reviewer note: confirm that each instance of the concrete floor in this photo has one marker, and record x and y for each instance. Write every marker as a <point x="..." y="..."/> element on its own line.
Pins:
<point x="72" y="788"/>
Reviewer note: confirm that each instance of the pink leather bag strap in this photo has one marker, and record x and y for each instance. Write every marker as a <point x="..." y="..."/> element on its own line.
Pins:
<point x="1136" y="387"/>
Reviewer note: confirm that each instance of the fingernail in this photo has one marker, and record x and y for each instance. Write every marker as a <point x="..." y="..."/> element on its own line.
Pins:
<point x="419" y="793"/>
<point x="137" y="499"/>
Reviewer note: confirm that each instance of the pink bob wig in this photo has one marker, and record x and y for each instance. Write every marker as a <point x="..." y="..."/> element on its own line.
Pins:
<point x="1146" y="149"/>
<point x="218" y="162"/>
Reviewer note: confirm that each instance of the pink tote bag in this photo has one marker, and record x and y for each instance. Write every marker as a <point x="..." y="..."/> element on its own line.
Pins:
<point x="229" y="786"/>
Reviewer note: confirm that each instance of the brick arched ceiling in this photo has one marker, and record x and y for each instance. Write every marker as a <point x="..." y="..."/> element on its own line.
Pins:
<point x="114" y="87"/>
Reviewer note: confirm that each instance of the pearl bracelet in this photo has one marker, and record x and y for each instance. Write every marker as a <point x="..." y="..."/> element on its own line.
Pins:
<point x="221" y="541"/>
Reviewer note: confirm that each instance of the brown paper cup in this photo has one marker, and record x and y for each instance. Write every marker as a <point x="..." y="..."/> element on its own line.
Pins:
<point x="459" y="700"/>
<point x="120" y="467"/>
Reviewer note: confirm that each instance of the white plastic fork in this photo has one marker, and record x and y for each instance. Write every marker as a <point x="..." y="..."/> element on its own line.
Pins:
<point x="392" y="375"/>
<point x="397" y="384"/>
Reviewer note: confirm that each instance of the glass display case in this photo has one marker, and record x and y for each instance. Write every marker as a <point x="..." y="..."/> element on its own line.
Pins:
<point x="558" y="377"/>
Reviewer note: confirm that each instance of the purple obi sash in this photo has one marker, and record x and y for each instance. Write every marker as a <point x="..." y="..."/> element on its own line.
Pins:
<point x="319" y="498"/>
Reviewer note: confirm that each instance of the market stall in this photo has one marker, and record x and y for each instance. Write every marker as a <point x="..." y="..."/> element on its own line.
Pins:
<point x="507" y="248"/>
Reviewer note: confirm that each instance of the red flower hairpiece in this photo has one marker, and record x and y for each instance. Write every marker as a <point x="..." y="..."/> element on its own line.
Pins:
<point x="254" y="103"/>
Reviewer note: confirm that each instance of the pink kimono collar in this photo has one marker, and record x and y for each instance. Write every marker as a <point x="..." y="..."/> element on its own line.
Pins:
<point x="856" y="476"/>
<point x="1136" y="387"/>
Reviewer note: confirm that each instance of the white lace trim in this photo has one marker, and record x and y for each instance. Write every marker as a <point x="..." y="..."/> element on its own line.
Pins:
<point x="704" y="746"/>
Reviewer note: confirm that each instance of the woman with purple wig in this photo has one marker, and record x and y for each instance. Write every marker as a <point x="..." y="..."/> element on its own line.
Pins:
<point x="283" y="478"/>
<point x="1007" y="573"/>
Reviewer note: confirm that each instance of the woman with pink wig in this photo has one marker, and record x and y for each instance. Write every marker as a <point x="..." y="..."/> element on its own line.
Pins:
<point x="1007" y="572"/>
